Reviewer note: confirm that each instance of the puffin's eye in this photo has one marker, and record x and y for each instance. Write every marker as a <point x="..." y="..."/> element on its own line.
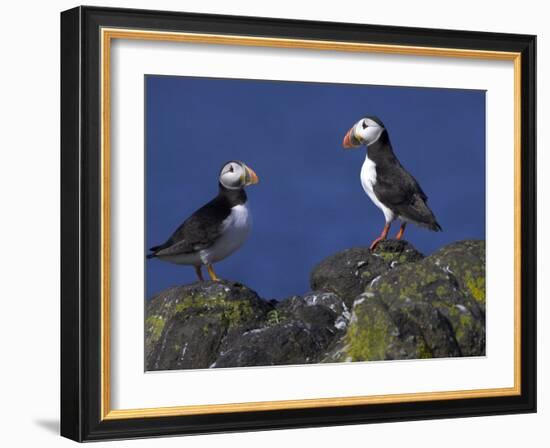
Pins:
<point x="230" y="169"/>
<point x="365" y="126"/>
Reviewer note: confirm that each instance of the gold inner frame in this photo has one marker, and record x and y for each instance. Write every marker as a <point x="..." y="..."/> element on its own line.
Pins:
<point x="107" y="35"/>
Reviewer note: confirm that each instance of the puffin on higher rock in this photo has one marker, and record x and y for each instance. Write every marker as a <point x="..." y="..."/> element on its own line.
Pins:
<point x="390" y="186"/>
<point x="217" y="229"/>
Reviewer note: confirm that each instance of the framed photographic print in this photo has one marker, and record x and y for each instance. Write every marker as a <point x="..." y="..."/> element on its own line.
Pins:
<point x="275" y="224"/>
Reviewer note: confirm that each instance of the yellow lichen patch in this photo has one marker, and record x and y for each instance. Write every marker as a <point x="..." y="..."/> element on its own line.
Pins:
<point x="369" y="336"/>
<point x="232" y="311"/>
<point x="476" y="285"/>
<point x="386" y="288"/>
<point x="409" y="291"/>
<point x="274" y="317"/>
<point x="154" y="325"/>
<point x="441" y="291"/>
<point x="424" y="352"/>
<point x="463" y="327"/>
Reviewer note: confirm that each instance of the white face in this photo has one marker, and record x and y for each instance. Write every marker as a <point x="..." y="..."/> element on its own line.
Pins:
<point x="367" y="131"/>
<point x="233" y="176"/>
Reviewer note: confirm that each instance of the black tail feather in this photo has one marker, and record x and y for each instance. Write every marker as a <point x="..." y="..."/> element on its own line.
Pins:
<point x="436" y="227"/>
<point x="154" y="251"/>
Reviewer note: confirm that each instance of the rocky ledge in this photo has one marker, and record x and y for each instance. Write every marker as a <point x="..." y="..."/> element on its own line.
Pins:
<point x="393" y="303"/>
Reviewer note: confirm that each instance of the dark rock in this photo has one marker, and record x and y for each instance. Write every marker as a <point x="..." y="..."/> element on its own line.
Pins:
<point x="396" y="252"/>
<point x="337" y="351"/>
<point x="391" y="303"/>
<point x="421" y="310"/>
<point x="298" y="331"/>
<point x="185" y="325"/>
<point x="347" y="273"/>
<point x="291" y="342"/>
<point x="465" y="260"/>
<point x="305" y="308"/>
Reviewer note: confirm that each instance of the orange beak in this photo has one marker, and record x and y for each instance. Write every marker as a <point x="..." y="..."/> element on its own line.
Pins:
<point x="349" y="140"/>
<point x="251" y="176"/>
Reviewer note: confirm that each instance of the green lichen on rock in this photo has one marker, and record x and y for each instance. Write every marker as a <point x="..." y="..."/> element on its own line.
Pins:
<point x="153" y="327"/>
<point x="422" y="310"/>
<point x="275" y="317"/>
<point x="476" y="285"/>
<point x="370" y="333"/>
<point x="377" y="334"/>
<point x="396" y="252"/>
<point x="196" y="319"/>
<point x="387" y="304"/>
<point x="465" y="260"/>
<point x="424" y="352"/>
<point x="233" y="312"/>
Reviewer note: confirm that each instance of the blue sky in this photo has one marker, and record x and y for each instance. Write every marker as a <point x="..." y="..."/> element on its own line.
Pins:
<point x="309" y="203"/>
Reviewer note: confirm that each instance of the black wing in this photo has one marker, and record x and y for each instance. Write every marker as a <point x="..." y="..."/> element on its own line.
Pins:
<point x="400" y="191"/>
<point x="197" y="232"/>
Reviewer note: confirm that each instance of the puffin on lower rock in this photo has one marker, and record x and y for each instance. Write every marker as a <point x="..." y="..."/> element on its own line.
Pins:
<point x="392" y="188"/>
<point x="217" y="229"/>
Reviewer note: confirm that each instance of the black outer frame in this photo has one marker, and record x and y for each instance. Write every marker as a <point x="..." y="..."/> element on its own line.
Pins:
<point x="80" y="224"/>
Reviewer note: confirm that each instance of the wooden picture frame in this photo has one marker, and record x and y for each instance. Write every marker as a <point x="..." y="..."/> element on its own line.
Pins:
<point x="86" y="35"/>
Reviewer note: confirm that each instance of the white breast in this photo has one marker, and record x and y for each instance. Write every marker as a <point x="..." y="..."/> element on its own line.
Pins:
<point x="235" y="231"/>
<point x="368" y="179"/>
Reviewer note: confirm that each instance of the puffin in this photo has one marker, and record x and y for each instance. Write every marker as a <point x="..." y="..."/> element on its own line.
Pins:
<point x="217" y="229"/>
<point x="387" y="183"/>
